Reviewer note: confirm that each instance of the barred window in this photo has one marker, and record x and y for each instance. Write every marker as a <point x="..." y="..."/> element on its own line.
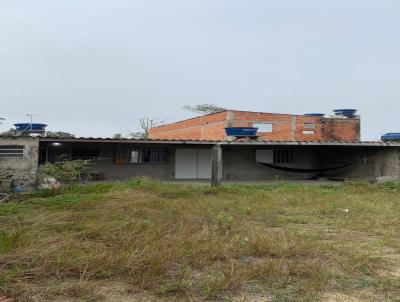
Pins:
<point x="283" y="156"/>
<point x="11" y="151"/>
<point x="139" y="155"/>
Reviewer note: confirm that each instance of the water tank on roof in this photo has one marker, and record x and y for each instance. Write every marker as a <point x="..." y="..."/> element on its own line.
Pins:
<point x="345" y="112"/>
<point x="391" y="136"/>
<point x="30" y="128"/>
<point x="241" y="131"/>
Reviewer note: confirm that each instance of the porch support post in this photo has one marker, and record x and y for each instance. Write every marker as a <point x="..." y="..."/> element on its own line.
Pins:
<point x="216" y="170"/>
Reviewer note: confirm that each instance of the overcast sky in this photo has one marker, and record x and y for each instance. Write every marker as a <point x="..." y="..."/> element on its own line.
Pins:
<point x="94" y="67"/>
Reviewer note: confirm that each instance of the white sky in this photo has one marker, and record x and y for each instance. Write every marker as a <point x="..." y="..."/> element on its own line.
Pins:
<point x="94" y="67"/>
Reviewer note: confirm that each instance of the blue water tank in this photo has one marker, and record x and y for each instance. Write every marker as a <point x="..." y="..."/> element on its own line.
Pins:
<point x="391" y="137"/>
<point x="241" y="131"/>
<point x="345" y="112"/>
<point x="30" y="128"/>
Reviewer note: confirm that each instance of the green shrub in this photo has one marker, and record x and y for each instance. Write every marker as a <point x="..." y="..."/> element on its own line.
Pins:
<point x="65" y="171"/>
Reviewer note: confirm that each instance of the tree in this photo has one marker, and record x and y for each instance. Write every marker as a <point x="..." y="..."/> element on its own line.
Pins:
<point x="204" y="109"/>
<point x="117" y="136"/>
<point x="59" y="134"/>
<point x="145" y="124"/>
<point x="11" y="132"/>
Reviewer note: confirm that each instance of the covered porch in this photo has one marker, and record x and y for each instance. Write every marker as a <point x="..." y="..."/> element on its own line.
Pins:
<point x="228" y="162"/>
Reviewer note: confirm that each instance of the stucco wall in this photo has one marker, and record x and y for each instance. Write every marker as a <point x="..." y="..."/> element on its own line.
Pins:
<point x="368" y="163"/>
<point x="239" y="162"/>
<point x="22" y="171"/>
<point x="112" y="171"/>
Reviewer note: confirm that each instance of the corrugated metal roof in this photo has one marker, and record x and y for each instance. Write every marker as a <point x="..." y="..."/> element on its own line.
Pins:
<point x="223" y="142"/>
<point x="211" y="142"/>
<point x="127" y="140"/>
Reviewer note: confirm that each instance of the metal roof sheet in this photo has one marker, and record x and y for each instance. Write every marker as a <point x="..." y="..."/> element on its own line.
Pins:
<point x="223" y="142"/>
<point x="211" y="142"/>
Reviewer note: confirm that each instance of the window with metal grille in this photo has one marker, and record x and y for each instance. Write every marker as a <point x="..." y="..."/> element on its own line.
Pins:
<point x="138" y="155"/>
<point x="11" y="151"/>
<point x="283" y="156"/>
<point x="85" y="153"/>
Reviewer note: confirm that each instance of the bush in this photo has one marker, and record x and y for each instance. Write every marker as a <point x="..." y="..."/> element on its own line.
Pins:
<point x="65" y="171"/>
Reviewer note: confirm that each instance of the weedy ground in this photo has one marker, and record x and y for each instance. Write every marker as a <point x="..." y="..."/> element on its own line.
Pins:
<point x="143" y="240"/>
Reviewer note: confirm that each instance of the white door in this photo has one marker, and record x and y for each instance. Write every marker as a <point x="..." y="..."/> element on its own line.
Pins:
<point x="192" y="163"/>
<point x="185" y="163"/>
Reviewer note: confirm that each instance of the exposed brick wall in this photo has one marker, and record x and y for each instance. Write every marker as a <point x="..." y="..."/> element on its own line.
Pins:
<point x="285" y="127"/>
<point x="281" y="123"/>
<point x="209" y="127"/>
<point x="301" y="130"/>
<point x="341" y="129"/>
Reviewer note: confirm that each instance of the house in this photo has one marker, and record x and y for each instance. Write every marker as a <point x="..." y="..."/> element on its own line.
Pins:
<point x="215" y="160"/>
<point x="343" y="126"/>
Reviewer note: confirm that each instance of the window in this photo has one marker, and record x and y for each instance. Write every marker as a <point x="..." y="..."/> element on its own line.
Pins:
<point x="309" y="126"/>
<point x="137" y="155"/>
<point x="283" y="156"/>
<point x="148" y="156"/>
<point x="11" y="151"/>
<point x="263" y="127"/>
<point x="308" y="132"/>
<point x="85" y="153"/>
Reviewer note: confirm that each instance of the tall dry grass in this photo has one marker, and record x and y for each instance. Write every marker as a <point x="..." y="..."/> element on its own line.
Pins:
<point x="293" y="242"/>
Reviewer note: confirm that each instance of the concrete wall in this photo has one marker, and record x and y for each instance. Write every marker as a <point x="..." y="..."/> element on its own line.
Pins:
<point x="21" y="171"/>
<point x="113" y="171"/>
<point x="370" y="163"/>
<point x="239" y="163"/>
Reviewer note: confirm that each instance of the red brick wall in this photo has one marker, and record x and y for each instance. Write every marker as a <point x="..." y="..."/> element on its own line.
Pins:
<point x="209" y="127"/>
<point x="281" y="123"/>
<point x="285" y="127"/>
<point x="341" y="129"/>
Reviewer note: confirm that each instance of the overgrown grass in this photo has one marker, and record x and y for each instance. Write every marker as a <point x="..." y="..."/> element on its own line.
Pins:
<point x="291" y="242"/>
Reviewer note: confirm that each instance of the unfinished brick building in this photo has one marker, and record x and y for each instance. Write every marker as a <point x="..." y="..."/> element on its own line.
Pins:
<point x="271" y="126"/>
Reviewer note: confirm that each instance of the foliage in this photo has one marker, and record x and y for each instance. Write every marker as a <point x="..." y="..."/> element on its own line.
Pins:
<point x="162" y="242"/>
<point x="59" y="134"/>
<point x="117" y="136"/>
<point x="65" y="171"/>
<point x="145" y="124"/>
<point x="11" y="132"/>
<point x="204" y="109"/>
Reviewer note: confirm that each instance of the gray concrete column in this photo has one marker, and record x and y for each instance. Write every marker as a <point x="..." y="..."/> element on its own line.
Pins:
<point x="216" y="170"/>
